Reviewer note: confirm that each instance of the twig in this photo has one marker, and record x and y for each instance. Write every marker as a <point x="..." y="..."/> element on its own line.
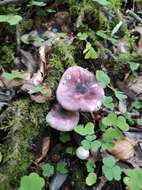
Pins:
<point x="131" y="13"/>
<point x="100" y="185"/>
<point x="18" y="43"/>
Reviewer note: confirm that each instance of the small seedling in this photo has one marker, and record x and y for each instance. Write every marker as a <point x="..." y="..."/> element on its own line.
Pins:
<point x="133" y="179"/>
<point x="91" y="179"/>
<point x="32" y="182"/>
<point x="64" y="137"/>
<point x="62" y="167"/>
<point x="108" y="102"/>
<point x="48" y="170"/>
<point x="110" y="169"/>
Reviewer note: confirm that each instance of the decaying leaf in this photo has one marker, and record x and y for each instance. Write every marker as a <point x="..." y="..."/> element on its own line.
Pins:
<point x="136" y="85"/>
<point x="45" y="148"/>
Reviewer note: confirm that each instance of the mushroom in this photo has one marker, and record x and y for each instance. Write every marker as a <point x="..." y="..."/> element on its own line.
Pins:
<point x="79" y="90"/>
<point x="81" y="153"/>
<point x="61" y="119"/>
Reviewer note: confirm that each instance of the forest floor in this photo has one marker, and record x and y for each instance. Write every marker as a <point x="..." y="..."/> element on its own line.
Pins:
<point x="39" y="41"/>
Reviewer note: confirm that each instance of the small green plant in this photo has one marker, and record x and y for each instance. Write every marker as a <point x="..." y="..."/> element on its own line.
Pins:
<point x="110" y="169"/>
<point x="32" y="182"/>
<point x="133" y="179"/>
<point x="62" y="167"/>
<point x="12" y="75"/>
<point x="91" y="177"/>
<point x="136" y="104"/>
<point x="37" y="3"/>
<point x="89" y="51"/>
<point x="116" y="121"/>
<point x="88" y="129"/>
<point x="10" y="19"/>
<point x="41" y="89"/>
<point x="108" y="102"/>
<point x="64" y="137"/>
<point x="48" y="170"/>
<point x="104" y="79"/>
<point x="139" y="122"/>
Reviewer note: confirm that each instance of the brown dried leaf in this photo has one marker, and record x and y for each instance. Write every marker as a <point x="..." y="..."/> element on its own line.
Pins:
<point x="136" y="85"/>
<point x="45" y="148"/>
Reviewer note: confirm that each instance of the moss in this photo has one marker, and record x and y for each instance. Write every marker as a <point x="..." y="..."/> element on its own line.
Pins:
<point x="63" y="57"/>
<point x="25" y="122"/>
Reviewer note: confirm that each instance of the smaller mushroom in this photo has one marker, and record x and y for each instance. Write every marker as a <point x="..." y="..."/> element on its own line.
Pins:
<point x="81" y="153"/>
<point x="61" y="119"/>
<point x="123" y="149"/>
<point x="79" y="90"/>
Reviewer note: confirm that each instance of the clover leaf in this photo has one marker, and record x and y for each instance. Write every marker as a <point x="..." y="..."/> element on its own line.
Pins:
<point x="102" y="77"/>
<point x="91" y="179"/>
<point x="87" y="130"/>
<point x="62" y="167"/>
<point x="48" y="170"/>
<point x="108" y="102"/>
<point x="133" y="178"/>
<point x="110" y="169"/>
<point x="32" y="182"/>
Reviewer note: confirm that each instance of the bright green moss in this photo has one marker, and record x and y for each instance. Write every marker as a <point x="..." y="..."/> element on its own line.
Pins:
<point x="25" y="123"/>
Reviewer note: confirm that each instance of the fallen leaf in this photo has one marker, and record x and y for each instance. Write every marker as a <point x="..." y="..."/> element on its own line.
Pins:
<point x="45" y="148"/>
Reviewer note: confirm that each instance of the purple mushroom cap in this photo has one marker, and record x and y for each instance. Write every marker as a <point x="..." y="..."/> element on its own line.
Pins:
<point x="79" y="90"/>
<point x="61" y="119"/>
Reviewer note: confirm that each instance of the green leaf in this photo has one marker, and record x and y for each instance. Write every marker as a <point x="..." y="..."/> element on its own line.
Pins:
<point x="71" y="150"/>
<point x="108" y="102"/>
<point x="116" y="172"/>
<point x="86" y="144"/>
<point x="12" y="75"/>
<point x="133" y="178"/>
<point x="25" y="38"/>
<point x="32" y="182"/>
<point x="91" y="54"/>
<point x="106" y="145"/>
<point x="103" y="35"/>
<point x="64" y="137"/>
<point x="95" y="145"/>
<point x="80" y="129"/>
<point x="87" y="130"/>
<point x="90" y="166"/>
<point x="90" y="137"/>
<point x="38" y="3"/>
<point x="136" y="104"/>
<point x="139" y="122"/>
<point x="51" y="10"/>
<point x="120" y="95"/>
<point x="62" y="167"/>
<point x="121" y="123"/>
<point x="110" y="120"/>
<point x="134" y="66"/>
<point x="109" y="162"/>
<point x="91" y="179"/>
<point x="11" y="19"/>
<point x="41" y="89"/>
<point x="102" y="77"/>
<point x="87" y="48"/>
<point x="0" y="157"/>
<point x="110" y="169"/>
<point x="48" y="170"/>
<point x="82" y="36"/>
<point x="102" y="2"/>
<point x="112" y="134"/>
